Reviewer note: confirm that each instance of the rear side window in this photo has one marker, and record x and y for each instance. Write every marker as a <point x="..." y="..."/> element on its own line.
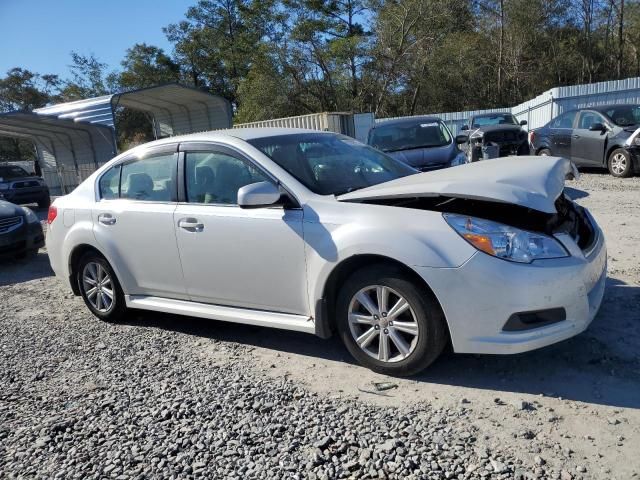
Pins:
<point x="110" y="184"/>
<point x="150" y="179"/>
<point x="564" y="121"/>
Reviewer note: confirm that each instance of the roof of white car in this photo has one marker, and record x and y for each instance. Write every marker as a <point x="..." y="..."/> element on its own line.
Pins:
<point x="242" y="133"/>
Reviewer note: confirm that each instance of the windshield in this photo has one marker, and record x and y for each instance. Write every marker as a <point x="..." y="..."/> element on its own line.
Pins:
<point x="624" y="115"/>
<point x="331" y="164"/>
<point x="495" y="119"/>
<point x="11" y="171"/>
<point x="408" y="136"/>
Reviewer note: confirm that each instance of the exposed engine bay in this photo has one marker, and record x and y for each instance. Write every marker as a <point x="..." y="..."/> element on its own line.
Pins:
<point x="570" y="218"/>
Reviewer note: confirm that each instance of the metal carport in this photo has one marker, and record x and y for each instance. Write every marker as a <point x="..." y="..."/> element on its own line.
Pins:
<point x="74" y="138"/>
<point x="68" y="151"/>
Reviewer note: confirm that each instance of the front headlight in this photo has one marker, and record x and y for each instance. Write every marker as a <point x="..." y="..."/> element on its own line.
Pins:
<point x="633" y="140"/>
<point x="4" y="186"/>
<point x="459" y="159"/>
<point x="30" y="216"/>
<point x="504" y="241"/>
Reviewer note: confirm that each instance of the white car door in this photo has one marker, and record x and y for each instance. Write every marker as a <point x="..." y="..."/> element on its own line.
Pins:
<point x="133" y="223"/>
<point x="250" y="258"/>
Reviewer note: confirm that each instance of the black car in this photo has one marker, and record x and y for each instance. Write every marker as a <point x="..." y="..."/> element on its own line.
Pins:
<point x="492" y="135"/>
<point x="605" y="136"/>
<point x="18" y="186"/>
<point x="20" y="230"/>
<point x="425" y="143"/>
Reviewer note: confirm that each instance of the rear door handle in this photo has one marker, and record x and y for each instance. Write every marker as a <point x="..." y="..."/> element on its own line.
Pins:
<point x="191" y="224"/>
<point x="106" y="219"/>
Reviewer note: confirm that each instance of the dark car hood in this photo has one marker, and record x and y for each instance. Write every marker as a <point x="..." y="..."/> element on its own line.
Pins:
<point x="421" y="157"/>
<point x="9" y="209"/>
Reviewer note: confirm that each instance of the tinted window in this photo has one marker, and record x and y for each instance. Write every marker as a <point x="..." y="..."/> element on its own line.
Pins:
<point x="403" y="136"/>
<point x="587" y="119"/>
<point x="496" y="119"/>
<point x="11" y="171"/>
<point x="110" y="183"/>
<point x="149" y="179"/>
<point x="564" y="121"/>
<point x="215" y="177"/>
<point x="624" y="115"/>
<point x="331" y="164"/>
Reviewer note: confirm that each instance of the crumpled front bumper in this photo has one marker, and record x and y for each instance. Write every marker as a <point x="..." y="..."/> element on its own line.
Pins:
<point x="479" y="297"/>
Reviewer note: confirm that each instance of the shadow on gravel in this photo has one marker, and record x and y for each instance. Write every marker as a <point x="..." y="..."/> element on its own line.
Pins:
<point x="13" y="271"/>
<point x="600" y="366"/>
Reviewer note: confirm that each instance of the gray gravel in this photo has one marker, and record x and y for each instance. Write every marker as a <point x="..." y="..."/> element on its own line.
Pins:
<point x="84" y="399"/>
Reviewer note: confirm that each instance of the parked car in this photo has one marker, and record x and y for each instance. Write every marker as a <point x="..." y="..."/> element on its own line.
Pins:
<point x="20" y="230"/>
<point x="493" y="135"/>
<point x="425" y="143"/>
<point x="316" y="232"/>
<point x="605" y="136"/>
<point x="18" y="186"/>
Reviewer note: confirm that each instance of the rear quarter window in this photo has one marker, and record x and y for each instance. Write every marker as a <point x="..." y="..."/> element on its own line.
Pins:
<point x="110" y="183"/>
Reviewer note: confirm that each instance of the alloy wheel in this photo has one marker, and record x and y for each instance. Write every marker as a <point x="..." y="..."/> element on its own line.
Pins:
<point x="98" y="287"/>
<point x="618" y="163"/>
<point x="383" y="324"/>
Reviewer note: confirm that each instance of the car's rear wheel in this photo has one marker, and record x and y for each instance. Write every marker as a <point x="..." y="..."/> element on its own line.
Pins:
<point x="100" y="288"/>
<point x="619" y="163"/>
<point x="388" y="323"/>
<point x="544" y="152"/>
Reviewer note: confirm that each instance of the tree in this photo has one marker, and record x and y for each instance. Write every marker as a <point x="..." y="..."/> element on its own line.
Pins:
<point x="88" y="78"/>
<point x="145" y="66"/>
<point x="24" y="90"/>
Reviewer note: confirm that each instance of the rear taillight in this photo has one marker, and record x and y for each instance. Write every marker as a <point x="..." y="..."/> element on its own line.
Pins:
<point x="53" y="213"/>
<point x="532" y="137"/>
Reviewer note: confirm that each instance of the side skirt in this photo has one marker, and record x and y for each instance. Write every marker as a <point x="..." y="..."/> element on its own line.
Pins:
<point x="285" y="321"/>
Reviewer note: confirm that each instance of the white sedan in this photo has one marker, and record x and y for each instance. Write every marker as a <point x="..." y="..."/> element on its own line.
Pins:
<point x="315" y="232"/>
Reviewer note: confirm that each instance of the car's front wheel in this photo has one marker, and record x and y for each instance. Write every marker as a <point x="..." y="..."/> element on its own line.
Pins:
<point x="100" y="288"/>
<point x="619" y="163"/>
<point x="388" y="323"/>
<point x="545" y="152"/>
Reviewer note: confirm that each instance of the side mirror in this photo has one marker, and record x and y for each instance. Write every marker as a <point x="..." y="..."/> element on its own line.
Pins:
<point x="461" y="139"/>
<point x="464" y="127"/>
<point x="260" y="194"/>
<point x="523" y="122"/>
<point x="597" y="127"/>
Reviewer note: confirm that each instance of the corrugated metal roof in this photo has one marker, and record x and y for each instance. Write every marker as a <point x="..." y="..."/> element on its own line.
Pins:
<point x="63" y="145"/>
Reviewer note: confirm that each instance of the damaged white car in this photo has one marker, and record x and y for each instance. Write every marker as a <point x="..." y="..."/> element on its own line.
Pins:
<point x="315" y="232"/>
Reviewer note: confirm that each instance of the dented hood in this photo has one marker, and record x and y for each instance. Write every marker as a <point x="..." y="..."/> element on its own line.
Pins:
<point x="532" y="182"/>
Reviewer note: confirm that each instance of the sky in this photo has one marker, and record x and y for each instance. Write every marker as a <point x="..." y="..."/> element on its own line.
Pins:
<point x="39" y="35"/>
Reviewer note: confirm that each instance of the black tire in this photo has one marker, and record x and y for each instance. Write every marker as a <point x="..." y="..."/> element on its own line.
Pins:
<point x="545" y="152"/>
<point x="432" y="334"/>
<point x="44" y="202"/>
<point x="118" y="308"/>
<point x="619" y="163"/>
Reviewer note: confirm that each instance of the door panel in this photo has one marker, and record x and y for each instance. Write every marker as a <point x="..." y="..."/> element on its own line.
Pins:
<point x="252" y="258"/>
<point x="561" y="129"/>
<point x="133" y="224"/>
<point x="246" y="258"/>
<point x="587" y="147"/>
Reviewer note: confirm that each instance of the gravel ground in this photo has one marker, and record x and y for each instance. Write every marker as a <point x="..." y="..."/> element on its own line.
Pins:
<point x="173" y="397"/>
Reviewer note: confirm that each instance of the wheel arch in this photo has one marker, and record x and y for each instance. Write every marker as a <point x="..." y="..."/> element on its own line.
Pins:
<point x="325" y="305"/>
<point x="74" y="257"/>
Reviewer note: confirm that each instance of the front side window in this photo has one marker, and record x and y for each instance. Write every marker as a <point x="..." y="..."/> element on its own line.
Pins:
<point x="330" y="164"/>
<point x="216" y="177"/>
<point x="588" y="119"/>
<point x="496" y="119"/>
<point x="564" y="121"/>
<point x="407" y="136"/>
<point x="150" y="179"/>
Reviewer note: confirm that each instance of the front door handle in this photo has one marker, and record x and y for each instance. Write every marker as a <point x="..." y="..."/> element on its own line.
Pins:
<point x="191" y="224"/>
<point x="576" y="136"/>
<point x="106" y="219"/>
